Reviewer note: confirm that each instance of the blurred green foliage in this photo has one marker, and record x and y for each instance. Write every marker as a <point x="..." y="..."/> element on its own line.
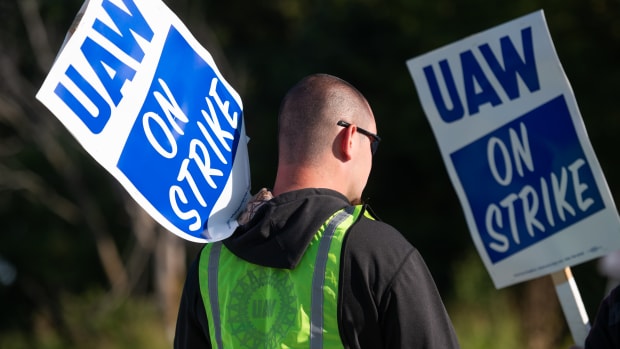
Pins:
<point x="93" y="320"/>
<point x="60" y="297"/>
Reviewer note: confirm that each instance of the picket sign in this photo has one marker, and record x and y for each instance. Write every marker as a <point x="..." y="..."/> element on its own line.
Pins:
<point x="518" y="155"/>
<point x="148" y="103"/>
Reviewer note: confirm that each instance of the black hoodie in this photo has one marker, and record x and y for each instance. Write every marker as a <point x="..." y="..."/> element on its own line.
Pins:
<point x="387" y="297"/>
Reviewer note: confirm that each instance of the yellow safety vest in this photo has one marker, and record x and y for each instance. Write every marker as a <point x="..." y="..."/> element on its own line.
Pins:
<point x="254" y="307"/>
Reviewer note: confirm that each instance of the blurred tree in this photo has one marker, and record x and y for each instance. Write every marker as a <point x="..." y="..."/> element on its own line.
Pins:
<point x="68" y="225"/>
<point x="69" y="228"/>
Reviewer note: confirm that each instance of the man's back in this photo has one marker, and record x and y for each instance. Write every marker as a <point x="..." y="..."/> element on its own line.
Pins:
<point x="386" y="297"/>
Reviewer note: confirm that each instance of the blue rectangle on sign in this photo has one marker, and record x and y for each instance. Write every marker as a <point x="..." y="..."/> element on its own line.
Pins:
<point x="527" y="180"/>
<point x="180" y="152"/>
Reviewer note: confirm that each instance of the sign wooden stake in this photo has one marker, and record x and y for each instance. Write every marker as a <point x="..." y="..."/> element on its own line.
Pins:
<point x="572" y="305"/>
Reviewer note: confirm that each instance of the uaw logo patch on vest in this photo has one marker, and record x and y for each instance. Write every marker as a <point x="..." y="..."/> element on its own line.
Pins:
<point x="262" y="308"/>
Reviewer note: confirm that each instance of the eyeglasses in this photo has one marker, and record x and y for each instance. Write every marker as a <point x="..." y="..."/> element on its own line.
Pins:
<point x="374" y="139"/>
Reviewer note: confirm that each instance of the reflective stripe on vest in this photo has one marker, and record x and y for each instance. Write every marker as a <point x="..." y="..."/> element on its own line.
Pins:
<point x="249" y="306"/>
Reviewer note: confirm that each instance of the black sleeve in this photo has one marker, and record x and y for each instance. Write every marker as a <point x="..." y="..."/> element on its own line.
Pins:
<point x="605" y="331"/>
<point x="388" y="296"/>
<point x="414" y="313"/>
<point x="192" y="329"/>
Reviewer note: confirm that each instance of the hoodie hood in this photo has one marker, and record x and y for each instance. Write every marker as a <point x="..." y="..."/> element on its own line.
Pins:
<point x="281" y="229"/>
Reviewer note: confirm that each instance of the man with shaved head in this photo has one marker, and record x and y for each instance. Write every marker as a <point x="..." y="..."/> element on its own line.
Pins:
<point x="311" y="266"/>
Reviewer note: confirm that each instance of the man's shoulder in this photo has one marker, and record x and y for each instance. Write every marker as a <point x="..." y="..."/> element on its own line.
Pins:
<point x="375" y="236"/>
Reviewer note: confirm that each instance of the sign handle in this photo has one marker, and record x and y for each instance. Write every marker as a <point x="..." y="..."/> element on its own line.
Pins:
<point x="572" y="305"/>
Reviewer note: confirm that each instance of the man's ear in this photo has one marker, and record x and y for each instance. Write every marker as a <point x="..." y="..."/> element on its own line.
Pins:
<point x="346" y="142"/>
